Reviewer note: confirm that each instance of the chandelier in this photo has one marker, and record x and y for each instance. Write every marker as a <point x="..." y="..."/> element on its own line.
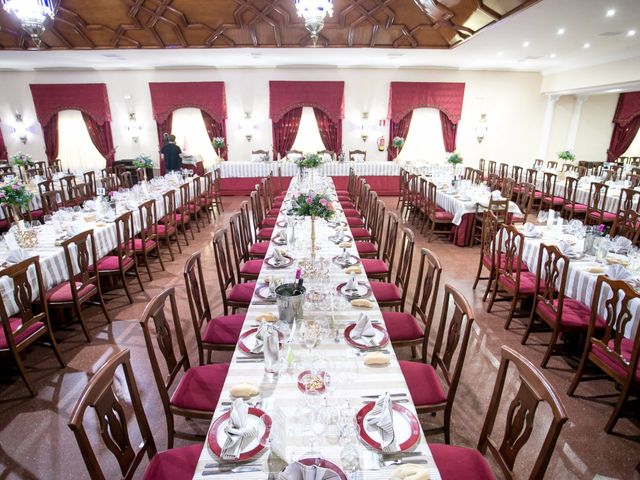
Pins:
<point x="313" y="12"/>
<point x="32" y="15"/>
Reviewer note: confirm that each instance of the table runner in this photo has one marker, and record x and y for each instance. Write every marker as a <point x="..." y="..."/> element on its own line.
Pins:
<point x="284" y="391"/>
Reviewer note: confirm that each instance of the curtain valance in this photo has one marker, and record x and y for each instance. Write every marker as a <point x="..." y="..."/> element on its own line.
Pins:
<point x="325" y="96"/>
<point x="207" y="96"/>
<point x="89" y="98"/>
<point x="628" y="108"/>
<point x="405" y="97"/>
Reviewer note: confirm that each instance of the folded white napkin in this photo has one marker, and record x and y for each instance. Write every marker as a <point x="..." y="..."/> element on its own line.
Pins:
<point x="258" y="346"/>
<point x="278" y="258"/>
<point x="339" y="234"/>
<point x="238" y="433"/>
<point x="18" y="255"/>
<point x="381" y="417"/>
<point x="496" y="195"/>
<point x="282" y="235"/>
<point x="10" y="239"/>
<point x="621" y="244"/>
<point x="566" y="249"/>
<point x="364" y="330"/>
<point x="351" y="285"/>
<point x="346" y="256"/>
<point x="530" y="230"/>
<point x="618" y="272"/>
<point x="298" y="471"/>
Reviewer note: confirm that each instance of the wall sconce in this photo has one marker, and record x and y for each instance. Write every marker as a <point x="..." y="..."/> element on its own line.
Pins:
<point x="364" y="128"/>
<point x="248" y="126"/>
<point x="134" y="128"/>
<point x="481" y="128"/>
<point x="20" y="129"/>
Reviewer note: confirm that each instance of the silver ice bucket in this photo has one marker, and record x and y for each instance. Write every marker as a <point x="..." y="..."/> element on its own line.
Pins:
<point x="290" y="300"/>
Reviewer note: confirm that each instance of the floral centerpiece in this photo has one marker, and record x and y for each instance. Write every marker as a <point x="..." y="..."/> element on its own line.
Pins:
<point x="143" y="161"/>
<point x="454" y="158"/>
<point x="310" y="160"/>
<point x="313" y="205"/>
<point x="567" y="155"/>
<point x="218" y="144"/>
<point x="21" y="159"/>
<point x="397" y="143"/>
<point x="14" y="194"/>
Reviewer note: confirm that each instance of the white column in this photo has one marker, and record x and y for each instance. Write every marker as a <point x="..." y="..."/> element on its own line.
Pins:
<point x="546" y="126"/>
<point x="575" y="121"/>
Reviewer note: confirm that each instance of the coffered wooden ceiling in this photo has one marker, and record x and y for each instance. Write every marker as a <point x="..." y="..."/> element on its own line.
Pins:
<point x="133" y="24"/>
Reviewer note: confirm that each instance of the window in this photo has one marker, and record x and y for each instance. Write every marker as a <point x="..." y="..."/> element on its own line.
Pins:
<point x="191" y="135"/>
<point x="424" y="141"/>
<point x="75" y="147"/>
<point x="308" y="137"/>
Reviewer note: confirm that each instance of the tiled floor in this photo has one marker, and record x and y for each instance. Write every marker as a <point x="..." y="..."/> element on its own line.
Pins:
<point x="35" y="442"/>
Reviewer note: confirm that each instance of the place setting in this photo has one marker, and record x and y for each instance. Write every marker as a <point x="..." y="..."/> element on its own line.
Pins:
<point x="279" y="259"/>
<point x="353" y="289"/>
<point x="346" y="259"/>
<point x="366" y="335"/>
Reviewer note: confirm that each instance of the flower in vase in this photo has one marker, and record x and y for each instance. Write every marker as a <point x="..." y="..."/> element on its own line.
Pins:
<point x="309" y="200"/>
<point x="324" y="202"/>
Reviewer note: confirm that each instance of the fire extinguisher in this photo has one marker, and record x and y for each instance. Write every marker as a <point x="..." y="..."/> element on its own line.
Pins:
<point x="381" y="144"/>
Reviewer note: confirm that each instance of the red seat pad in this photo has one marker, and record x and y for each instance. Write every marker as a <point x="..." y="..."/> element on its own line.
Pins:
<point x="62" y="292"/>
<point x="268" y="222"/>
<point x="607" y="216"/>
<point x="191" y="207"/>
<point x="265" y="233"/>
<point x="200" y="387"/>
<point x="554" y="200"/>
<point x="110" y="263"/>
<point x="360" y="233"/>
<point x="575" y="314"/>
<point x="374" y="266"/>
<point x="259" y="248"/>
<point x="37" y="214"/>
<point x="355" y="222"/>
<point x="486" y="261"/>
<point x="164" y="230"/>
<point x="342" y="192"/>
<point x="626" y="349"/>
<point x="527" y="283"/>
<point x="179" y="218"/>
<point x="351" y="212"/>
<point x="279" y="198"/>
<point x="137" y="244"/>
<point x="386" y="292"/>
<point x="456" y="463"/>
<point x="347" y="204"/>
<point x="366" y="247"/>
<point x="442" y="215"/>
<point x="423" y="382"/>
<point x="14" y="323"/>
<point x="175" y="464"/>
<point x="577" y="208"/>
<point x="241" y="292"/>
<point x="251" y="267"/>
<point x="224" y="330"/>
<point x="402" y="326"/>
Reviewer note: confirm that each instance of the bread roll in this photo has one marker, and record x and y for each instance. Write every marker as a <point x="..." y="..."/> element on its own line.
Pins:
<point x="361" y="303"/>
<point x="410" y="471"/>
<point x="244" y="390"/>
<point x="267" y="317"/>
<point x="376" y="358"/>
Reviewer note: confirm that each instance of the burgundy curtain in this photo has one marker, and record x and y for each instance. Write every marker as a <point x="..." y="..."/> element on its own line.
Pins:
<point x="626" y="122"/>
<point x="50" y="134"/>
<point x="163" y="127"/>
<point x="449" y="130"/>
<point x="399" y="129"/>
<point x="216" y="129"/>
<point x="101" y="137"/>
<point x="3" y="148"/>
<point x="287" y="95"/>
<point x="330" y="132"/>
<point x="285" y="131"/>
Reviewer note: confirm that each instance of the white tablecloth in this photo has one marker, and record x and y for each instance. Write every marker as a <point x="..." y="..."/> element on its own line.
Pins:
<point x="456" y="206"/>
<point x="284" y="392"/>
<point x="288" y="169"/>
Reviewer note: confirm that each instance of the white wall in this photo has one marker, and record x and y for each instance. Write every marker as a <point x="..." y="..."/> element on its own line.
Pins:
<point x="595" y="127"/>
<point x="514" y="106"/>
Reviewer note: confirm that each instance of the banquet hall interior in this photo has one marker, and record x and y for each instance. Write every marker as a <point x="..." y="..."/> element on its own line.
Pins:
<point x="320" y="239"/>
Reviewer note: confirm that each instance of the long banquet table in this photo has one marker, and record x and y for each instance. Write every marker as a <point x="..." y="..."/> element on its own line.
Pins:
<point x="282" y="394"/>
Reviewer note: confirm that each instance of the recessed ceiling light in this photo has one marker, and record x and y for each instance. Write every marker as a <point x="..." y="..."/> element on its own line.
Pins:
<point x="631" y="33"/>
<point x="553" y="55"/>
<point x="500" y="54"/>
<point x="611" y="12"/>
<point x="586" y="45"/>
<point x="561" y="31"/>
<point x="525" y="44"/>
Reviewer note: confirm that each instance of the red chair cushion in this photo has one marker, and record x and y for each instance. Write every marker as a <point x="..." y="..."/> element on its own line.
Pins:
<point x="62" y="292"/>
<point x="179" y="218"/>
<point x="268" y="222"/>
<point x="241" y="292"/>
<point x="402" y="326"/>
<point x="366" y="247"/>
<point x="279" y="198"/>
<point x="578" y="207"/>
<point x="607" y="216"/>
<point x="137" y="244"/>
<point x="442" y="215"/>
<point x="555" y="200"/>
<point x="455" y="463"/>
<point x="110" y="263"/>
<point x="342" y="192"/>
<point x="175" y="464"/>
<point x="265" y="233"/>
<point x="386" y="292"/>
<point x="527" y="283"/>
<point x="486" y="261"/>
<point x="251" y="267"/>
<point x="200" y="387"/>
<point x="626" y="349"/>
<point x="15" y="322"/>
<point x="351" y="212"/>
<point x="259" y="248"/>
<point x="374" y="266"/>
<point x="575" y="314"/>
<point x="37" y="214"/>
<point x="164" y="230"/>
<point x="347" y="204"/>
<point x="355" y="222"/>
<point x="361" y="233"/>
<point x="423" y="382"/>
<point x="224" y="330"/>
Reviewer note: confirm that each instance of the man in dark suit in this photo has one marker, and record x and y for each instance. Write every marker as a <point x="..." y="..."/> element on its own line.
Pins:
<point x="172" y="155"/>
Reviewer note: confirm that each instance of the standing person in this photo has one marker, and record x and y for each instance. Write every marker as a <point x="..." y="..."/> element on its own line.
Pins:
<point x="172" y="155"/>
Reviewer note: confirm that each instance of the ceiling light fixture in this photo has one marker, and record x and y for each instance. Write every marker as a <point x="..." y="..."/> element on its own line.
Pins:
<point x="561" y="31"/>
<point x="500" y="54"/>
<point x="314" y="13"/>
<point x="32" y="15"/>
<point x="586" y="45"/>
<point x="611" y="12"/>
<point x="553" y="55"/>
<point x="631" y="33"/>
<point x="525" y="44"/>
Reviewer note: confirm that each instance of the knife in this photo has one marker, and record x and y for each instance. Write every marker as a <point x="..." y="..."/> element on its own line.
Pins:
<point x="232" y="470"/>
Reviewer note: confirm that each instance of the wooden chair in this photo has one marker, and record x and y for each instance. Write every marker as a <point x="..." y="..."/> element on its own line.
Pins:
<point x="246" y="268"/>
<point x="147" y="241"/>
<point x="168" y="229"/>
<point x="90" y="181"/>
<point x="354" y="154"/>
<point x="257" y="249"/>
<point x="57" y="165"/>
<point x="110" y="184"/>
<point x="524" y="200"/>
<point x="409" y="329"/>
<point x="552" y="164"/>
<point x="626" y="224"/>
<point x="69" y="192"/>
<point x="549" y="200"/>
<point x="629" y="200"/>
<point x="550" y="305"/>
<point x="380" y="268"/>
<point x="571" y="207"/>
<point x="24" y="327"/>
<point x="103" y="394"/>
<point x="481" y="165"/>
<point x="124" y="260"/>
<point x="49" y="201"/>
<point x="468" y="172"/>
<point x="499" y="207"/>
<point x="126" y="181"/>
<point x="234" y="295"/>
<point x="488" y="255"/>
<point x="492" y="167"/>
<point x="596" y="213"/>
<point x="506" y="187"/>
<point x="394" y="294"/>
<point x="503" y="170"/>
<point x="261" y="232"/>
<point x="371" y="248"/>
<point x="477" y="176"/>
<point x="220" y="333"/>
<point x="424" y="384"/>
<point x="208" y="196"/>
<point x="461" y="462"/>
<point x="613" y="353"/>
<point x="83" y="286"/>
<point x="198" y="388"/>
<point x="516" y="174"/>
<point x="183" y="220"/>
<point x="538" y="163"/>
<point x="436" y="216"/>
<point x="217" y="195"/>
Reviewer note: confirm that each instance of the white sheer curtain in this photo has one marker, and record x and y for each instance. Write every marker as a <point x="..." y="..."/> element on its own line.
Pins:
<point x="191" y="135"/>
<point x="75" y="148"/>
<point x="308" y="137"/>
<point x="424" y="141"/>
